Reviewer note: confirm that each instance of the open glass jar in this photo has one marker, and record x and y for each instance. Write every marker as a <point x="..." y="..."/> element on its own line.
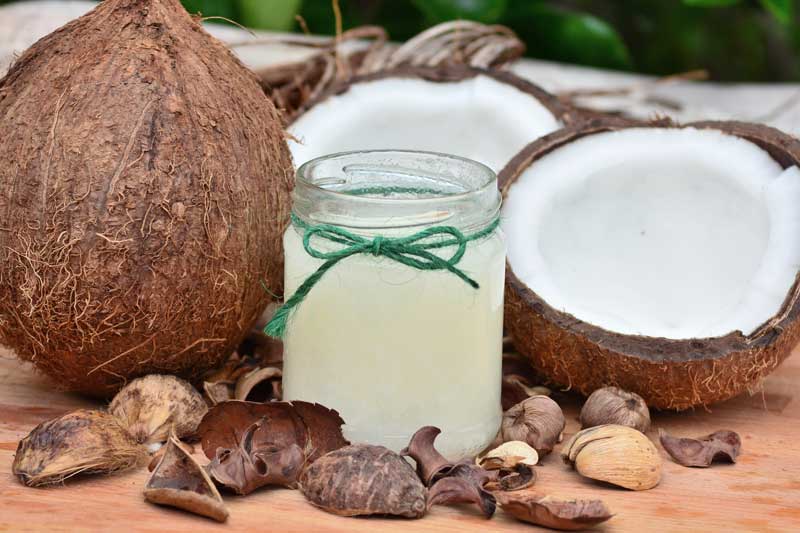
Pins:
<point x="393" y="338"/>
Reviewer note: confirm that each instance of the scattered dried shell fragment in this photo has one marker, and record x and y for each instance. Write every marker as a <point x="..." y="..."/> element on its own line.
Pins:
<point x="178" y="481"/>
<point x="251" y="465"/>
<point x="616" y="454"/>
<point x="537" y="420"/>
<point x="508" y="455"/>
<point x="722" y="445"/>
<point x="431" y="465"/>
<point x="257" y="378"/>
<point x="612" y="405"/>
<point x="363" y="479"/>
<point x="149" y="406"/>
<point x="81" y="442"/>
<point x="464" y="483"/>
<point x="566" y="515"/>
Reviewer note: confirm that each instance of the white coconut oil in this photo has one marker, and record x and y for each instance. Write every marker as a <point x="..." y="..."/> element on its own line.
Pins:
<point x="391" y="347"/>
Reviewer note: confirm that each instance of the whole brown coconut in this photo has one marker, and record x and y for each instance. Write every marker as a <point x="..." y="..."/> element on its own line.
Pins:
<point x="667" y="373"/>
<point x="144" y="186"/>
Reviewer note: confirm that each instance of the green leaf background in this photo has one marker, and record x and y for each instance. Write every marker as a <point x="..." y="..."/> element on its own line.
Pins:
<point x="737" y="40"/>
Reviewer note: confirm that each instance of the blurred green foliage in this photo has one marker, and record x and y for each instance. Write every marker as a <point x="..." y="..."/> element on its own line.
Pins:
<point x="756" y="40"/>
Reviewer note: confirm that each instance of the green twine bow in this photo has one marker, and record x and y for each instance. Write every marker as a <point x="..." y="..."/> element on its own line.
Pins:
<point x="413" y="251"/>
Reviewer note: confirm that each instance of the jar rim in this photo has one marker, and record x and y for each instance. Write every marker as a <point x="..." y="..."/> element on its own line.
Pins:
<point x="395" y="188"/>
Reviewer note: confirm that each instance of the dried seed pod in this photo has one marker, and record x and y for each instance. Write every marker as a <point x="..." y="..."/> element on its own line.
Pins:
<point x="616" y="454"/>
<point x="520" y="476"/>
<point x="149" y="406"/>
<point x="612" y="405"/>
<point x="567" y="515"/>
<point x="508" y="455"/>
<point x="178" y="481"/>
<point x="251" y="465"/>
<point x="702" y="451"/>
<point x="537" y="420"/>
<point x="247" y="383"/>
<point x="363" y="479"/>
<point x="431" y="465"/>
<point x="217" y="392"/>
<point x="464" y="483"/>
<point x="81" y="442"/>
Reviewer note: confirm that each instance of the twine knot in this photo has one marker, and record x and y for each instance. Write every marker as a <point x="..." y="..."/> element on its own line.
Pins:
<point x="376" y="245"/>
<point x="413" y="251"/>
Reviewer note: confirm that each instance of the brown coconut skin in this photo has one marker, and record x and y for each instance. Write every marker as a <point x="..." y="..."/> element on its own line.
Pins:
<point x="667" y="373"/>
<point x="448" y="74"/>
<point x="144" y="187"/>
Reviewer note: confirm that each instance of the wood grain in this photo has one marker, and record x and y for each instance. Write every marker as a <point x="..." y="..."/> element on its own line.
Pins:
<point x="760" y="493"/>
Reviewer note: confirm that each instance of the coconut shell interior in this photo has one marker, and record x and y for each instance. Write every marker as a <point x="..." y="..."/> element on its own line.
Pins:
<point x="667" y="373"/>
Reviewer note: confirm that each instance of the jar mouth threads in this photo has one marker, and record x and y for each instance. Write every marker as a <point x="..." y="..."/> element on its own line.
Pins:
<point x="384" y="189"/>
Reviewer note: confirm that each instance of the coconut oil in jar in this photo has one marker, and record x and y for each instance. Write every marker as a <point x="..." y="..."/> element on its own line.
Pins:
<point x="390" y="346"/>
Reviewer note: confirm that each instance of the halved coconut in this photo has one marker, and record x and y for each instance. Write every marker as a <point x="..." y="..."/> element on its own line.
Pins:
<point x="485" y="115"/>
<point x="658" y="258"/>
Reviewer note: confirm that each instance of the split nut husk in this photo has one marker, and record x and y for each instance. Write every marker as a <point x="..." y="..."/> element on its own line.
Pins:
<point x="566" y="515"/>
<point x="363" y="479"/>
<point x="149" y="406"/>
<point x="179" y="481"/>
<point x="537" y="420"/>
<point x="81" y="442"/>
<point x="723" y="445"/>
<point x="508" y="455"/>
<point x="464" y="483"/>
<point x="431" y="465"/>
<point x="616" y="454"/>
<point x="612" y="405"/>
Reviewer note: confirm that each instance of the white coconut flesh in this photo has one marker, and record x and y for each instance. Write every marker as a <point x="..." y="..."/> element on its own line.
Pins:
<point x="675" y="233"/>
<point x="479" y="118"/>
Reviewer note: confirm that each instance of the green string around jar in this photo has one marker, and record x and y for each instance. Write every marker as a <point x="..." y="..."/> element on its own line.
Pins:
<point x="413" y="251"/>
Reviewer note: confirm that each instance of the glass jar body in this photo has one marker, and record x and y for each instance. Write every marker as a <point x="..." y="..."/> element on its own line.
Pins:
<point x="394" y="349"/>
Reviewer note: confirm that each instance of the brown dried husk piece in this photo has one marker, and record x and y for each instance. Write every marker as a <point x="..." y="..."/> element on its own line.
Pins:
<point x="313" y="427"/>
<point x="142" y="210"/>
<point x="566" y="515"/>
<point x="722" y="445"/>
<point x="666" y="373"/>
<point x="612" y="405"/>
<point x="179" y="481"/>
<point x="537" y="420"/>
<point x="363" y="479"/>
<point x="151" y="406"/>
<point x="81" y="442"/>
<point x="252" y="465"/>
<point x="431" y="465"/>
<point x="464" y="483"/>
<point x="248" y="387"/>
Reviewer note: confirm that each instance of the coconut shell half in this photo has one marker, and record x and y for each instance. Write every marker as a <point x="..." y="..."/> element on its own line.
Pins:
<point x="672" y="373"/>
<point x="144" y="188"/>
<point x="455" y="109"/>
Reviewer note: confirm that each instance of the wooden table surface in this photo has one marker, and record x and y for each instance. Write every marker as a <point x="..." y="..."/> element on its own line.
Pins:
<point x="760" y="493"/>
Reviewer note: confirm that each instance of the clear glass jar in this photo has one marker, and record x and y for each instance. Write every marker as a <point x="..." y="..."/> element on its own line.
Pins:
<point x="389" y="346"/>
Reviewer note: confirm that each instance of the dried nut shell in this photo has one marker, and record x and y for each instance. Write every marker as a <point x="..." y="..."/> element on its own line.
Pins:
<point x="178" y="481"/>
<point x="81" y="442"/>
<point x="464" y="483"/>
<point x="363" y="479"/>
<point x="702" y="451"/>
<point x="566" y="515"/>
<point x="217" y="392"/>
<point x="537" y="420"/>
<point x="431" y="465"/>
<point x="149" y="406"/>
<point x="508" y="455"/>
<point x="616" y="454"/>
<point x="249" y="381"/>
<point x="612" y="405"/>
